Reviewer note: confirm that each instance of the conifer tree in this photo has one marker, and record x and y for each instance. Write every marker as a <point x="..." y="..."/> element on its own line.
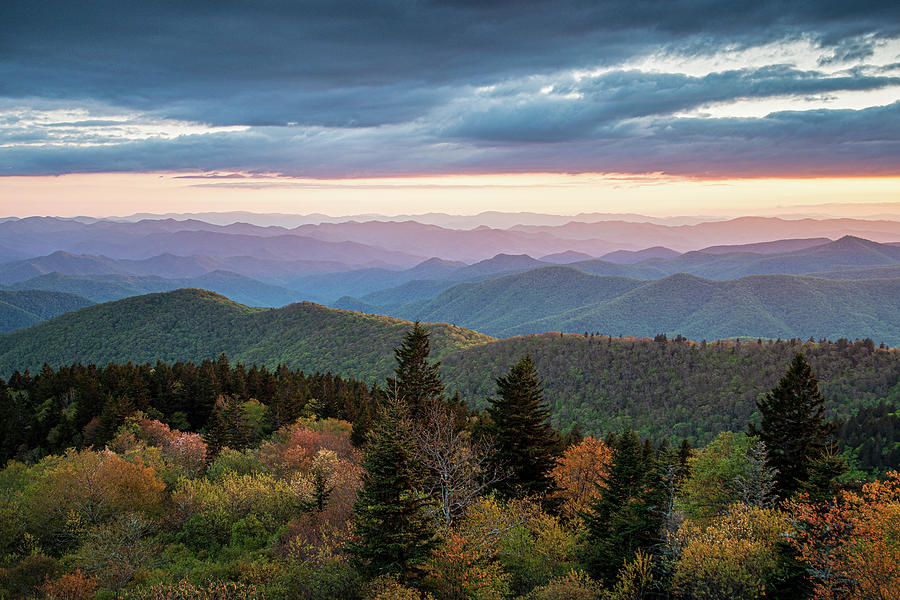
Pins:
<point x="525" y="444"/>
<point x="628" y="514"/>
<point x="392" y="528"/>
<point x="793" y="426"/>
<point x="417" y="381"/>
<point x="228" y="428"/>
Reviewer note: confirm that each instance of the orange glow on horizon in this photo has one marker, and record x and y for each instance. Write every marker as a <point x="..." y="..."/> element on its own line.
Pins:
<point x="122" y="194"/>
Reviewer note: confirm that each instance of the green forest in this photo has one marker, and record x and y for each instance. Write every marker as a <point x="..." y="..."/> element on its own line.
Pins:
<point x="666" y="388"/>
<point x="220" y="480"/>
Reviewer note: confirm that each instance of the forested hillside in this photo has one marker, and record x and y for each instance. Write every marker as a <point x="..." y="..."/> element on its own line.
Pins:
<point x="28" y="307"/>
<point x="673" y="388"/>
<point x="196" y="324"/>
<point x="567" y="299"/>
<point x="104" y="288"/>
<point x="666" y="389"/>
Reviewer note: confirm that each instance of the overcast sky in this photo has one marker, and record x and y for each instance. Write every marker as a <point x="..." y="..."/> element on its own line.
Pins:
<point x="346" y="89"/>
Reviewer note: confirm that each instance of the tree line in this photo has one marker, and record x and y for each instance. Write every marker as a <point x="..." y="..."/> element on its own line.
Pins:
<point x="422" y="497"/>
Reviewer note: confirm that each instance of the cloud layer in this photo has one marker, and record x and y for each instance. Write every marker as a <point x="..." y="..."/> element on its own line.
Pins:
<point x="338" y="88"/>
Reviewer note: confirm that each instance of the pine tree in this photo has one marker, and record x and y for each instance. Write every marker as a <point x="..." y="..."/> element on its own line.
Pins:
<point x="793" y="426"/>
<point x="628" y="514"/>
<point x="393" y="531"/>
<point x="525" y="444"/>
<point x="824" y="475"/>
<point x="417" y="382"/>
<point x="228" y="427"/>
<point x="756" y="485"/>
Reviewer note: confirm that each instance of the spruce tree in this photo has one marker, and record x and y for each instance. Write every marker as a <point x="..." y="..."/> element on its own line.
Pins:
<point x="393" y="531"/>
<point x="628" y="514"/>
<point x="417" y="381"/>
<point x="525" y="444"/>
<point x="228" y="428"/>
<point x="793" y="426"/>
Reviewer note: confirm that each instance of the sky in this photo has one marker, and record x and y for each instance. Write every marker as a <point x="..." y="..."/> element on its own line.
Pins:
<point x="668" y="107"/>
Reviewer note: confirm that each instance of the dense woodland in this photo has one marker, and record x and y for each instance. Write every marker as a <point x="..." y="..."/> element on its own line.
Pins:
<point x="664" y="388"/>
<point x="217" y="480"/>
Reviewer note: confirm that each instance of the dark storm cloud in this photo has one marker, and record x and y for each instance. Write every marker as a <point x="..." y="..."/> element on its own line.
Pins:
<point x="336" y="87"/>
<point x="590" y="107"/>
<point x="820" y="142"/>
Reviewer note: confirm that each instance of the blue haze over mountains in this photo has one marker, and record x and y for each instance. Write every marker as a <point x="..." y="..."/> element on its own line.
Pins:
<point x="615" y="274"/>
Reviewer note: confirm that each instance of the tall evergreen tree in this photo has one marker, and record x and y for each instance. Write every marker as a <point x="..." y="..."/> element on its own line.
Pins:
<point x="393" y="531"/>
<point x="628" y="514"/>
<point x="525" y="444"/>
<point x="793" y="426"/>
<point x="228" y="428"/>
<point x="417" y="381"/>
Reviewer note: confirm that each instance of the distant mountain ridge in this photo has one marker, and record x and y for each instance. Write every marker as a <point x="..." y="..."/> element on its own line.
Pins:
<point x="404" y="243"/>
<point x="563" y="298"/>
<point x="20" y="309"/>
<point x="103" y="288"/>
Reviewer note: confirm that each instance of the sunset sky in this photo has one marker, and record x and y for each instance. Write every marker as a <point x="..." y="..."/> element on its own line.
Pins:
<point x="693" y="107"/>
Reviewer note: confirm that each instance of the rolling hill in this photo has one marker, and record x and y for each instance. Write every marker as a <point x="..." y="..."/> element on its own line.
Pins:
<point x="191" y="324"/>
<point x="667" y="389"/>
<point x="566" y="299"/>
<point x="104" y="288"/>
<point x="26" y="308"/>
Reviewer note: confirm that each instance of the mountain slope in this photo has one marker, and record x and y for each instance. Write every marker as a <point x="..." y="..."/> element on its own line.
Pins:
<point x="671" y="389"/>
<point x="64" y="262"/>
<point x="566" y="299"/>
<point x="25" y="308"/>
<point x="628" y="257"/>
<point x="666" y="389"/>
<point x="104" y="288"/>
<point x="192" y="324"/>
<point x="506" y="303"/>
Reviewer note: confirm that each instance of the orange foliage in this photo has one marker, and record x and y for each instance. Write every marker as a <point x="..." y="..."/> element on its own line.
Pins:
<point x="186" y="450"/>
<point x="461" y="570"/>
<point x="293" y="447"/>
<point x="97" y="485"/>
<point x="578" y="471"/>
<point x="71" y="586"/>
<point x="851" y="545"/>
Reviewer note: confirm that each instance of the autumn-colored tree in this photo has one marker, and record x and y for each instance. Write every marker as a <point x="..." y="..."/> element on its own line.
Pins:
<point x="578" y="472"/>
<point x="532" y="546"/>
<point x="386" y="587"/>
<point x="851" y="544"/>
<point x="462" y="570"/>
<point x="635" y="580"/>
<point x="186" y="450"/>
<point x="733" y="557"/>
<point x="293" y="447"/>
<point x="86" y="488"/>
<point x="574" y="585"/>
<point x="184" y="590"/>
<point x="70" y="586"/>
